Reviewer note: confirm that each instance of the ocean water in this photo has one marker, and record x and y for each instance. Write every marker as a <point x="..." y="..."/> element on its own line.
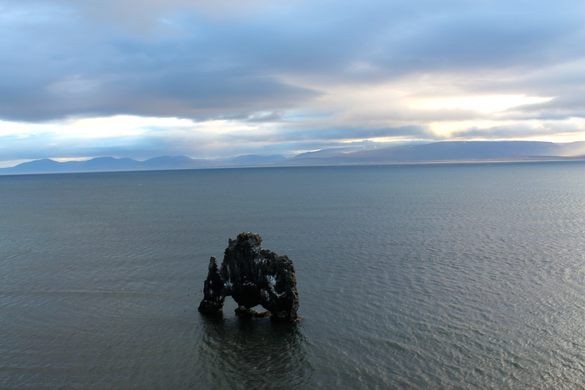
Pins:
<point x="458" y="276"/>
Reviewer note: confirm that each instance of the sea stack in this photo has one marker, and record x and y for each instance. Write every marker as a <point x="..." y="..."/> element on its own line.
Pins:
<point x="252" y="276"/>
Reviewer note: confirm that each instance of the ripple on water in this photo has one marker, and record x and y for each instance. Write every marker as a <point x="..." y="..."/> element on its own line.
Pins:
<point x="410" y="277"/>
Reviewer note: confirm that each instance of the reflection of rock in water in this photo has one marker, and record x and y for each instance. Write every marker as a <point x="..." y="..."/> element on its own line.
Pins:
<point x="252" y="276"/>
<point x="253" y="354"/>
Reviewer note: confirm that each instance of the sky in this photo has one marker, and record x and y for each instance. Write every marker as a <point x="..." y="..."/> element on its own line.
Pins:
<point x="219" y="78"/>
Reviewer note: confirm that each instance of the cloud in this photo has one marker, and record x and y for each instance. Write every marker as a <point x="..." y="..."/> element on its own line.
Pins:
<point x="564" y="130"/>
<point x="327" y="71"/>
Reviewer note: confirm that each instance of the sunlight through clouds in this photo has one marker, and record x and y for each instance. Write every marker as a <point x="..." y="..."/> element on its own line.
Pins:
<point x="203" y="78"/>
<point x="487" y="104"/>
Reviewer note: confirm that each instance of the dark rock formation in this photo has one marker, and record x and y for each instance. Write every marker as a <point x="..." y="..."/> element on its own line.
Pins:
<point x="213" y="289"/>
<point x="252" y="276"/>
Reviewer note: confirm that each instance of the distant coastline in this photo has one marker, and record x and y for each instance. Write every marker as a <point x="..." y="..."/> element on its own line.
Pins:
<point x="475" y="152"/>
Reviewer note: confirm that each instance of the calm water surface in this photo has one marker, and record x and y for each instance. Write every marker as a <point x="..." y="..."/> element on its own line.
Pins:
<point x="420" y="276"/>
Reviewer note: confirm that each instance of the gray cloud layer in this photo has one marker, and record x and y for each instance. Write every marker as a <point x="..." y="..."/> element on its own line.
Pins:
<point x="204" y="59"/>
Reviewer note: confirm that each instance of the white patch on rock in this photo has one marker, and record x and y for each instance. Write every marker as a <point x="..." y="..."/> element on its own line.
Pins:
<point x="271" y="280"/>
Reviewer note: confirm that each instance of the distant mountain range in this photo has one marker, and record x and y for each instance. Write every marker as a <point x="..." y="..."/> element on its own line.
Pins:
<point x="452" y="151"/>
<point x="113" y="164"/>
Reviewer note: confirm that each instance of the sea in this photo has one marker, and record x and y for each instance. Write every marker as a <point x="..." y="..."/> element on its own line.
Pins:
<point x="418" y="276"/>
